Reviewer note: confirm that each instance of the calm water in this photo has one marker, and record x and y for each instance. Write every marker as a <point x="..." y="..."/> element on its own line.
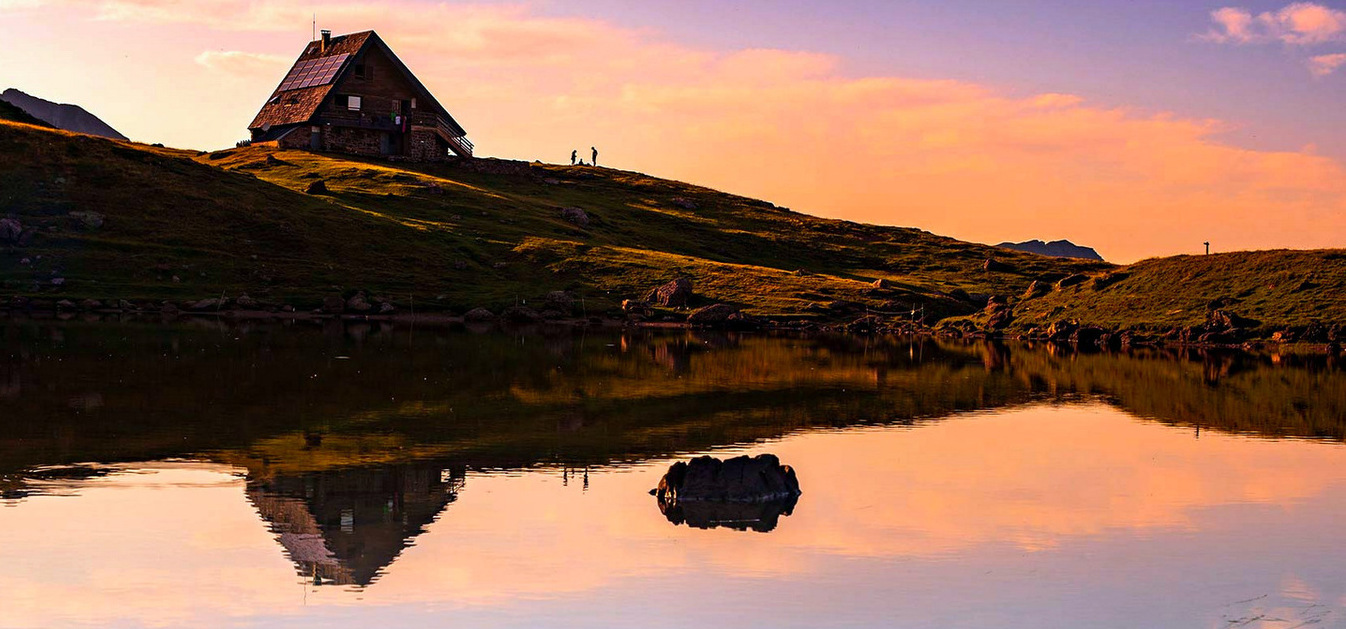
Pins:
<point x="354" y="475"/>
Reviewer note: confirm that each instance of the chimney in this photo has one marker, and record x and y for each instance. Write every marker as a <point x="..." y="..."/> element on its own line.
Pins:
<point x="326" y="39"/>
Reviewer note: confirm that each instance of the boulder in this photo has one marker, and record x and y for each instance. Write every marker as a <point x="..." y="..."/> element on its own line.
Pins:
<point x="1088" y="335"/>
<point x="1035" y="288"/>
<point x="90" y="304"/>
<point x="741" y="479"/>
<point x="717" y="314"/>
<point x="318" y="186"/>
<point x="10" y="230"/>
<point x="244" y="301"/>
<point x="479" y="314"/>
<point x="992" y="265"/>
<point x="881" y="284"/>
<point x="674" y="294"/>
<point x="560" y="301"/>
<point x="387" y="308"/>
<point x="1071" y="280"/>
<point x="575" y="215"/>
<point x="207" y="304"/>
<point x="631" y="306"/>
<point x="1061" y="330"/>
<point x="359" y="303"/>
<point x="683" y="202"/>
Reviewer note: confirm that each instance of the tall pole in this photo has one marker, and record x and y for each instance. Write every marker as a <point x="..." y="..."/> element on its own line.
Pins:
<point x="1207" y="243"/>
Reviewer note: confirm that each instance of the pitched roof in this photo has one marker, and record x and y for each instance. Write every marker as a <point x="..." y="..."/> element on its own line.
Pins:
<point x="298" y="106"/>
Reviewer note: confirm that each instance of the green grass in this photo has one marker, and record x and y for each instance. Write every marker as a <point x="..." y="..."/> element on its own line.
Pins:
<point x="1275" y="289"/>
<point x="181" y="225"/>
<point x="235" y="221"/>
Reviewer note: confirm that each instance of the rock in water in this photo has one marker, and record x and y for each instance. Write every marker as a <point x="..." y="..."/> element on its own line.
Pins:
<point x="741" y="493"/>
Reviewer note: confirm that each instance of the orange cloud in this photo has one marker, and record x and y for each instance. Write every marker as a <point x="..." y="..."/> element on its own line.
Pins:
<point x="1299" y="23"/>
<point x="1323" y="65"/>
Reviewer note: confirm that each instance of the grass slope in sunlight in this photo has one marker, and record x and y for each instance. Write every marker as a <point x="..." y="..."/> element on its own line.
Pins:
<point x="183" y="225"/>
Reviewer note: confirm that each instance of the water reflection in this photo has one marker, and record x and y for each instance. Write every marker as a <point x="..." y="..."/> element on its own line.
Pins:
<point x="344" y="526"/>
<point x="504" y="477"/>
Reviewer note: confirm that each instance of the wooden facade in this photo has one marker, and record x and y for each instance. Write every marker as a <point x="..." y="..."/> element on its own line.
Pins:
<point x="351" y="94"/>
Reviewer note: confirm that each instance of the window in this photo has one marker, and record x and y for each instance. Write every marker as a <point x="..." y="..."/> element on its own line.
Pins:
<point x="364" y="71"/>
<point x="353" y="103"/>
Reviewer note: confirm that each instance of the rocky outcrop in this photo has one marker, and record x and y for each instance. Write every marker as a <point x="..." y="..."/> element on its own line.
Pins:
<point x="317" y="187"/>
<point x="992" y="265"/>
<point x="674" y="294"/>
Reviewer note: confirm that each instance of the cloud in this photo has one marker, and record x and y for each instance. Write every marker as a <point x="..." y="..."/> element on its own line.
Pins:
<point x="1300" y="23"/>
<point x="246" y="64"/>
<point x="1323" y="65"/>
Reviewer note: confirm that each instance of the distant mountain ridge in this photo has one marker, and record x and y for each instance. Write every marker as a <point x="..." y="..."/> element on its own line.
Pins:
<point x="68" y="117"/>
<point x="1055" y="248"/>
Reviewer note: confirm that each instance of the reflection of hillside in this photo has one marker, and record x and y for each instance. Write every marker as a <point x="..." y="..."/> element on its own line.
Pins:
<point x="344" y="526"/>
<point x="376" y="395"/>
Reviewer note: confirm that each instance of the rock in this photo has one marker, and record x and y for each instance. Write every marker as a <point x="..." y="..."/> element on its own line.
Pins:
<point x="881" y="284"/>
<point x="434" y="188"/>
<point x="1223" y="320"/>
<point x="25" y="261"/>
<point x="741" y="479"/>
<point x="1071" y="280"/>
<point x="168" y="308"/>
<point x="1107" y="279"/>
<point x="683" y="202"/>
<point x="459" y="265"/>
<point x="674" y="294"/>
<point x="91" y="304"/>
<point x="960" y="295"/>
<point x="479" y="314"/>
<point x="1061" y="330"/>
<point x="1284" y="336"/>
<point x="359" y="303"/>
<point x="992" y="265"/>
<point x="65" y="304"/>
<point x="520" y="314"/>
<point x="1087" y="335"/>
<point x="333" y="304"/>
<point x="1035" y="288"/>
<point x="552" y="181"/>
<point x="10" y="230"/>
<point x="387" y="308"/>
<point x="575" y="215"/>
<point x="122" y="304"/>
<point x="244" y="301"/>
<point x="88" y="220"/>
<point x="631" y="306"/>
<point x="560" y="301"/>
<point x="207" y="304"/>
<point x="842" y="306"/>
<point x="58" y="281"/>
<point x="711" y="315"/>
<point x="318" y="186"/>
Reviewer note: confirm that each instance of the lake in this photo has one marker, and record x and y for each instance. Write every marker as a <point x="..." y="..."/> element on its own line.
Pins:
<point x="207" y="473"/>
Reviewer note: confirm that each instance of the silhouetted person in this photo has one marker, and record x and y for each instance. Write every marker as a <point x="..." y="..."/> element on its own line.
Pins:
<point x="574" y="155"/>
<point x="595" y="150"/>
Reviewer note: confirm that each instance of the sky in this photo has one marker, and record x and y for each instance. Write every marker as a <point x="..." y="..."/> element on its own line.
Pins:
<point x="1140" y="128"/>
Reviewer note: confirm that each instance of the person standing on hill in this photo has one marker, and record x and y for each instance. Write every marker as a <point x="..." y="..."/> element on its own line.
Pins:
<point x="595" y="150"/>
<point x="574" y="155"/>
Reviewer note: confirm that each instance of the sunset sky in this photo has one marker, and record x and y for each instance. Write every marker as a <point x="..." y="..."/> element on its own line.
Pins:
<point x="1137" y="127"/>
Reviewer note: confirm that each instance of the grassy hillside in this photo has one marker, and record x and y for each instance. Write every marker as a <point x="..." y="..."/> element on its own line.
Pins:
<point x="181" y="225"/>
<point x="184" y="226"/>
<point x="1269" y="291"/>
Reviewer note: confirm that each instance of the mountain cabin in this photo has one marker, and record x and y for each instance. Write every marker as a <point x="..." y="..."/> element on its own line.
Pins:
<point x="351" y="94"/>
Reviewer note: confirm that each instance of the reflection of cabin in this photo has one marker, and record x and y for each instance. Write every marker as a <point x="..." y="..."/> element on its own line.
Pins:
<point x="351" y="94"/>
<point x="345" y="526"/>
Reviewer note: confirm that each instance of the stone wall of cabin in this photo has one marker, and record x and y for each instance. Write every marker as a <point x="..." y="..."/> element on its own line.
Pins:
<point x="425" y="146"/>
<point x="352" y="141"/>
<point x="297" y="139"/>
